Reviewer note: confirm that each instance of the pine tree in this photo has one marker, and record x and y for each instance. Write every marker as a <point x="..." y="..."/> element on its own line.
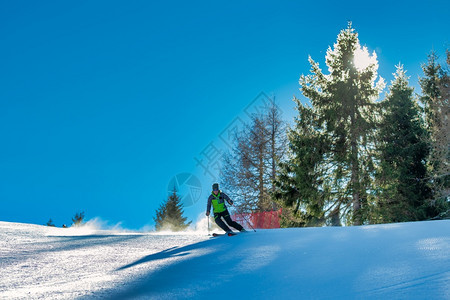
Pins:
<point x="78" y="219"/>
<point x="403" y="152"/>
<point x="170" y="214"/>
<point x="300" y="181"/>
<point x="160" y="217"/>
<point x="344" y="116"/>
<point x="443" y="142"/>
<point x="50" y="223"/>
<point x="435" y="98"/>
<point x="431" y="92"/>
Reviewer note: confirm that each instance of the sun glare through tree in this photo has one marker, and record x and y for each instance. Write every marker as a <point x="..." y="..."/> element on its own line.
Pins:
<point x="362" y="59"/>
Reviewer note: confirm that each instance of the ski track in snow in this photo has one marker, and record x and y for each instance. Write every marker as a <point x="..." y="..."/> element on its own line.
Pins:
<point x="38" y="262"/>
<point x="392" y="261"/>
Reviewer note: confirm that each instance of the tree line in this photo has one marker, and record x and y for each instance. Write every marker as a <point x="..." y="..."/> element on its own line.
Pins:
<point x="350" y="157"/>
<point x="77" y="220"/>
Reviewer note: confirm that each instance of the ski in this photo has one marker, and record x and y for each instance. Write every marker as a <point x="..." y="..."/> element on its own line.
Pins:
<point x="223" y="234"/>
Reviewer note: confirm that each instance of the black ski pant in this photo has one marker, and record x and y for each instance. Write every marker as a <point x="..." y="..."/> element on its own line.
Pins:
<point x="226" y="216"/>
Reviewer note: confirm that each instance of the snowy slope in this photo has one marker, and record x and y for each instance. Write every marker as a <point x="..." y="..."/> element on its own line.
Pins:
<point x="395" y="261"/>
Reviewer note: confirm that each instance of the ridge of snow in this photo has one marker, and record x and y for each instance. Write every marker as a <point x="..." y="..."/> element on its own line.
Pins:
<point x="403" y="260"/>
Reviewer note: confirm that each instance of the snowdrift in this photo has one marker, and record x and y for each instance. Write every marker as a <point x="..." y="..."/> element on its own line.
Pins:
<point x="394" y="261"/>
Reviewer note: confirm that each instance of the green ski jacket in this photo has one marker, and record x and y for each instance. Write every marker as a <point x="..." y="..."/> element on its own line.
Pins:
<point x="218" y="202"/>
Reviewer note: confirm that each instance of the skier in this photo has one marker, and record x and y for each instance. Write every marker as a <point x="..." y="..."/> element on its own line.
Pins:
<point x="217" y="199"/>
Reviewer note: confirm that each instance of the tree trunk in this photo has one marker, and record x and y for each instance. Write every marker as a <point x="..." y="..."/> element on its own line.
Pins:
<point x="262" y="200"/>
<point x="355" y="185"/>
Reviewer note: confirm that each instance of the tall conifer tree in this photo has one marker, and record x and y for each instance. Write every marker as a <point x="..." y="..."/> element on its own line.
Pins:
<point x="435" y="98"/>
<point x="344" y="111"/>
<point x="403" y="152"/>
<point x="170" y="214"/>
<point x="300" y="184"/>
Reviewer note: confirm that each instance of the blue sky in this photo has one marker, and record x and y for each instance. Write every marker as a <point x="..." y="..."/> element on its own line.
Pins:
<point x="103" y="103"/>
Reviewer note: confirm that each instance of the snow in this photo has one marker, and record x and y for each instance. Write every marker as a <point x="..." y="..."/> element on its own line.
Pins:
<point x="393" y="261"/>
